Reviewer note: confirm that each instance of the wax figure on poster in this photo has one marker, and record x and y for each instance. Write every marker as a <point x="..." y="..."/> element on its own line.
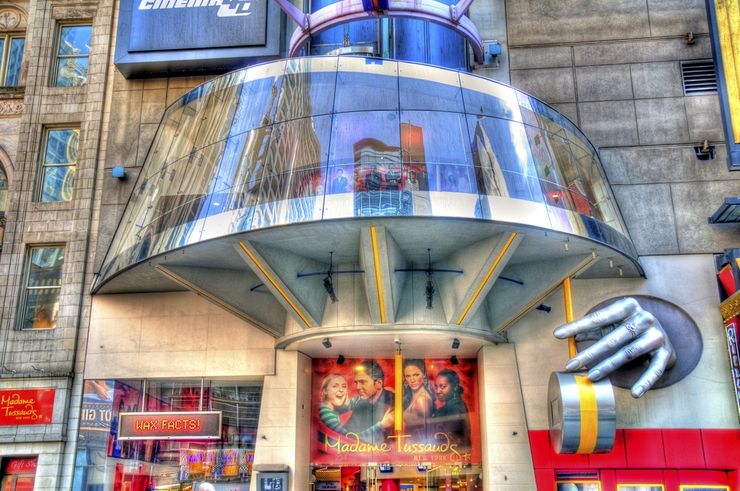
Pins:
<point x="355" y="419"/>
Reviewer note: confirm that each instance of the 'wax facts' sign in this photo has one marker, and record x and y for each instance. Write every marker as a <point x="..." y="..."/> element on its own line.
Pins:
<point x="170" y="426"/>
<point x="26" y="406"/>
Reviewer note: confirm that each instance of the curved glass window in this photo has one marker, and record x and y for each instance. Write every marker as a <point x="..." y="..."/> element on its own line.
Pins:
<point x="340" y="137"/>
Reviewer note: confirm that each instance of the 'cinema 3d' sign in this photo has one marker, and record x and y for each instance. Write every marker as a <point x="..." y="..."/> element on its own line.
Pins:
<point x="26" y="406"/>
<point x="165" y="37"/>
<point x="202" y="425"/>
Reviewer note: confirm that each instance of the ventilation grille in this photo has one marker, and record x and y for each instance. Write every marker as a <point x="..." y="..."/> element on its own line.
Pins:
<point x="698" y="77"/>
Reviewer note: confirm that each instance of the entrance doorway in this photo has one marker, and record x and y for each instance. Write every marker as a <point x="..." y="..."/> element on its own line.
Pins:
<point x="389" y="477"/>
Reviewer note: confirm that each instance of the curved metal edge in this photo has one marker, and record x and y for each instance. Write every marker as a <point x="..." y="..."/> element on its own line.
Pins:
<point x="425" y="329"/>
<point x="350" y="10"/>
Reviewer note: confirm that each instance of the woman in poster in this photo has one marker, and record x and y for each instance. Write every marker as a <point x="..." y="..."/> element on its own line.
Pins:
<point x="417" y="399"/>
<point x="450" y="416"/>
<point x="334" y="402"/>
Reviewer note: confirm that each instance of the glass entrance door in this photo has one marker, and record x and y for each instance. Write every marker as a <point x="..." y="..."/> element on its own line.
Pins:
<point x="389" y="477"/>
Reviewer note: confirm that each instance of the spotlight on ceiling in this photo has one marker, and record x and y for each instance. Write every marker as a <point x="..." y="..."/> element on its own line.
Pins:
<point x="543" y="308"/>
<point x="454" y="360"/>
<point x="455" y="343"/>
<point x="327" y="343"/>
<point x="340" y="360"/>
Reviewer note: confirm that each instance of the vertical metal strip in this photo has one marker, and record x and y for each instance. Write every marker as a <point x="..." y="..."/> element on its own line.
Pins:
<point x="398" y="407"/>
<point x="378" y="278"/>
<point x="589" y="415"/>
<point x="568" y="301"/>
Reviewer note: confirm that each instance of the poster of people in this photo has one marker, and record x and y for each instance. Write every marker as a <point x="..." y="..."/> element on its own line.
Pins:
<point x="361" y="413"/>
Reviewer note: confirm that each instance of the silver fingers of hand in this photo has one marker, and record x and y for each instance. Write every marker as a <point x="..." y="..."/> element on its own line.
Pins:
<point x="611" y="314"/>
<point x="626" y="332"/>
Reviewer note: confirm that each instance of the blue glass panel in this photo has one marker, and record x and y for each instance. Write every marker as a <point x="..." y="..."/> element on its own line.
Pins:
<point x="15" y="59"/>
<point x="58" y="183"/>
<point x="71" y="72"/>
<point x="357" y="91"/>
<point x="257" y="104"/>
<point x="439" y="137"/>
<point x="365" y="138"/>
<point x="75" y="40"/>
<point x="417" y="93"/>
<point x="501" y="151"/>
<point x="61" y="146"/>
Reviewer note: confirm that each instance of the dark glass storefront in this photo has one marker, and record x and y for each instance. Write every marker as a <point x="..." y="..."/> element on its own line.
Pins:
<point x="104" y="462"/>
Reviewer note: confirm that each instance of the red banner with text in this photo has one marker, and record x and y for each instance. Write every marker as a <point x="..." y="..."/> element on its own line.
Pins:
<point x="403" y="411"/>
<point x="26" y="406"/>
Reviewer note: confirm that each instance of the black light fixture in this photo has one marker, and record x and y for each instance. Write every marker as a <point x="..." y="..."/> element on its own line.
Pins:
<point x="328" y="284"/>
<point x="454" y="360"/>
<point x="429" y="290"/>
<point x="455" y="343"/>
<point x="327" y="343"/>
<point x="340" y="360"/>
<point x="543" y="308"/>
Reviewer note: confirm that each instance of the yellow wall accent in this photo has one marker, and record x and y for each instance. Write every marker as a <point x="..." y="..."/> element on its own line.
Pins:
<point x="398" y="401"/>
<point x="728" y="30"/>
<point x="589" y="414"/>
<point x="378" y="278"/>
<point x="487" y="277"/>
<point x="275" y="284"/>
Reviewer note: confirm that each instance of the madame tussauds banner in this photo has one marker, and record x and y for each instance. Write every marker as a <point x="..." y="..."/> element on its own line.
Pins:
<point x="400" y="411"/>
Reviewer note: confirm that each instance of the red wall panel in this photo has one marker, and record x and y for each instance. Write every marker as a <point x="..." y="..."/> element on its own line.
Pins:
<point x="644" y="449"/>
<point x="683" y="449"/>
<point x="615" y="459"/>
<point x="539" y="443"/>
<point x="721" y="448"/>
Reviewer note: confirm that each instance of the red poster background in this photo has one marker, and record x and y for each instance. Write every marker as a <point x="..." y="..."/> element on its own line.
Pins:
<point x="26" y="406"/>
<point x="337" y="447"/>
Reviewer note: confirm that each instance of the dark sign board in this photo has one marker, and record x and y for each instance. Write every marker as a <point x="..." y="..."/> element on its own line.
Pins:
<point x="170" y="426"/>
<point x="165" y="37"/>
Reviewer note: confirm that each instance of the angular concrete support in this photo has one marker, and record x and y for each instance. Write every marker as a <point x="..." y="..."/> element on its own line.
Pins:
<point x="507" y="458"/>
<point x="278" y="270"/>
<point x="380" y="257"/>
<point x="509" y="301"/>
<point x="482" y="263"/>
<point x="283" y="435"/>
<point x="231" y="290"/>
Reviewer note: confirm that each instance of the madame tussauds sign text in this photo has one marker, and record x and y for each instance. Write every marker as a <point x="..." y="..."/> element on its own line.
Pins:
<point x="401" y="410"/>
<point x="26" y="407"/>
<point x="170" y="426"/>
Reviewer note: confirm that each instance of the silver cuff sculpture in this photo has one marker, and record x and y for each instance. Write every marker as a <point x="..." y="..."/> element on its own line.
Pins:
<point x="582" y="410"/>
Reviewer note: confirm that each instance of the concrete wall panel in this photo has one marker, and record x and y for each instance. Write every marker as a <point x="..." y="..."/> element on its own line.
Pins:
<point x="661" y="121"/>
<point x="549" y="84"/>
<point x="648" y="212"/>
<point x="603" y="83"/>
<point x="653" y="80"/>
<point x="609" y="123"/>
<point x="172" y="335"/>
<point x="579" y="20"/>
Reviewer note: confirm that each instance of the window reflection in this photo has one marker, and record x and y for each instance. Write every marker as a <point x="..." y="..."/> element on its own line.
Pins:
<point x="264" y="146"/>
<point x="504" y="160"/>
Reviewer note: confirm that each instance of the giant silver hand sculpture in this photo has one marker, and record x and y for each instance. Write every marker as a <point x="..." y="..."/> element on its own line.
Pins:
<point x="637" y="332"/>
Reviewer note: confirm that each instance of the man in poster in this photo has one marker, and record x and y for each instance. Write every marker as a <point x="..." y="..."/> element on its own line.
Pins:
<point x="372" y="408"/>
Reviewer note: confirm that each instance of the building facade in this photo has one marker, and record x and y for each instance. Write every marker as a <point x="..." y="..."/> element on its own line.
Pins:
<point x="226" y="268"/>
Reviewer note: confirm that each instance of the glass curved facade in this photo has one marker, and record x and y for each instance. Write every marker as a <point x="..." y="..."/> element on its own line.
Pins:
<point x="337" y="137"/>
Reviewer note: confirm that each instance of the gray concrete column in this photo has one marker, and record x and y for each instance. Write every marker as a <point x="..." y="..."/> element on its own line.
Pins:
<point x="507" y="459"/>
<point x="283" y="432"/>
